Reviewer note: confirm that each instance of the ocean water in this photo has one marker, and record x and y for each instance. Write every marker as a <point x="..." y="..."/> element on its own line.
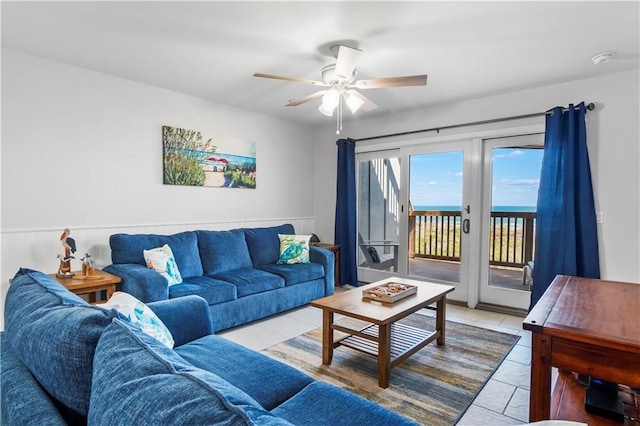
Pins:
<point x="518" y="209"/>
<point x="236" y="160"/>
<point x="204" y="156"/>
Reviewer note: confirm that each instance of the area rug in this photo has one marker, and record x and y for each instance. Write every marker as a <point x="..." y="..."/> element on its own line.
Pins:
<point x="435" y="386"/>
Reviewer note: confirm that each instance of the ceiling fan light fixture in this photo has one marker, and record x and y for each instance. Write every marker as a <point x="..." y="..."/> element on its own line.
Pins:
<point x="353" y="102"/>
<point x="330" y="101"/>
<point x="326" y="111"/>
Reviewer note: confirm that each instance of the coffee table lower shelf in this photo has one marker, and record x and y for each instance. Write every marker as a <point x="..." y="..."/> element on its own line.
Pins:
<point x="405" y="340"/>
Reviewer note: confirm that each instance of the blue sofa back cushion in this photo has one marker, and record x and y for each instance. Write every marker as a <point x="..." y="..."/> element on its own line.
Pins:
<point x="264" y="244"/>
<point x="159" y="387"/>
<point x="54" y="333"/>
<point x="128" y="248"/>
<point x="223" y="251"/>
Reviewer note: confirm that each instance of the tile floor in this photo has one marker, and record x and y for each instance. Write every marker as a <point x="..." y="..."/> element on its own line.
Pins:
<point x="503" y="401"/>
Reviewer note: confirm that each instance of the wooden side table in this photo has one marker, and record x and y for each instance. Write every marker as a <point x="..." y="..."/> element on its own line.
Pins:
<point x="336" y="258"/>
<point x="92" y="284"/>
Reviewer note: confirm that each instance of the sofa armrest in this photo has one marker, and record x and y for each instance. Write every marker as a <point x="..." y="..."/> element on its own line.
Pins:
<point x="188" y="318"/>
<point x="143" y="283"/>
<point x="326" y="259"/>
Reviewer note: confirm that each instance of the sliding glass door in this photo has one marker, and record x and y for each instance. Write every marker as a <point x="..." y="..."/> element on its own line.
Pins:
<point x="460" y="212"/>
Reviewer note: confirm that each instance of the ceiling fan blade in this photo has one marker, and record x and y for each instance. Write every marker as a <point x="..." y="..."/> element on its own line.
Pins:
<point x="306" y="98"/>
<point x="375" y="83"/>
<point x="297" y="80"/>
<point x="367" y="104"/>
<point x="346" y="62"/>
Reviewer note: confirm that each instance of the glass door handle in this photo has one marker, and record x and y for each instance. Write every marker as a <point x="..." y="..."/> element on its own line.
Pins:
<point x="465" y="226"/>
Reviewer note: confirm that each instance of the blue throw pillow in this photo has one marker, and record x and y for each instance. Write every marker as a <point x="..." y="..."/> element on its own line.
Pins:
<point x="137" y="380"/>
<point x="54" y="333"/>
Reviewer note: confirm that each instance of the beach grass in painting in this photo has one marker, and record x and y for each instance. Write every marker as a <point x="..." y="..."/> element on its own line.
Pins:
<point x="191" y="159"/>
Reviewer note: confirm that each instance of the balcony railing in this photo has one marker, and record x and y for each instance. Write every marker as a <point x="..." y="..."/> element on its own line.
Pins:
<point x="436" y="235"/>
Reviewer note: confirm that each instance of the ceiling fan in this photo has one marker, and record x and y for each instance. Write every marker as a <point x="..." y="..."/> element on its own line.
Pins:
<point x="340" y="80"/>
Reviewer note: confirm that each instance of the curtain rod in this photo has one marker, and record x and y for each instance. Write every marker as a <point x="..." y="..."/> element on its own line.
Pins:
<point x="590" y="107"/>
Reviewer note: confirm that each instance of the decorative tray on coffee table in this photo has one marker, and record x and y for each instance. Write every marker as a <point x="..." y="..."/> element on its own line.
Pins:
<point x="389" y="292"/>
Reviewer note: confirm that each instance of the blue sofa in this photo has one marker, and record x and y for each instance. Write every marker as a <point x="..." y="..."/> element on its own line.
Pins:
<point x="234" y="271"/>
<point x="67" y="362"/>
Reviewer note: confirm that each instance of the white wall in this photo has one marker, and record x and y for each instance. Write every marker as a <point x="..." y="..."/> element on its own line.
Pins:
<point x="83" y="150"/>
<point x="613" y="141"/>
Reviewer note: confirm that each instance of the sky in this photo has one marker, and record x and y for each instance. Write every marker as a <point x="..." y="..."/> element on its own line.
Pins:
<point x="436" y="179"/>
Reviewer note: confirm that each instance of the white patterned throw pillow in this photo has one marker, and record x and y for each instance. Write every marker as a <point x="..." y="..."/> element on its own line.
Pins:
<point x="294" y="248"/>
<point x="139" y="314"/>
<point x="161" y="260"/>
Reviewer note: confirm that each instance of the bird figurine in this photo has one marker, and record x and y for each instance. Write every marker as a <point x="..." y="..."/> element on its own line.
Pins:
<point x="87" y="265"/>
<point x="69" y="245"/>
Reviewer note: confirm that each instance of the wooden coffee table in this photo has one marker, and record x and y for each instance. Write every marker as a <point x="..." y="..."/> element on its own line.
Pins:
<point x="389" y="341"/>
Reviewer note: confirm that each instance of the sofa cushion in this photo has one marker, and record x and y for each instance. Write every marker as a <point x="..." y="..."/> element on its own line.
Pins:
<point x="139" y="314"/>
<point x="128" y="248"/>
<point x="223" y="251"/>
<point x="309" y="407"/>
<point x="251" y="280"/>
<point x="266" y="380"/>
<point x="210" y="289"/>
<point x="264" y="244"/>
<point x="54" y="333"/>
<point x="296" y="274"/>
<point x="294" y="249"/>
<point x="161" y="260"/>
<point x="159" y="387"/>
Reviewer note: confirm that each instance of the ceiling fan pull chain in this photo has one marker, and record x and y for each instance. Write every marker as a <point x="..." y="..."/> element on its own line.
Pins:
<point x="339" y="116"/>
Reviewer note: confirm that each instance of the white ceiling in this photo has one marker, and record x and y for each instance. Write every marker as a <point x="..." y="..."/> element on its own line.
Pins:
<point x="211" y="49"/>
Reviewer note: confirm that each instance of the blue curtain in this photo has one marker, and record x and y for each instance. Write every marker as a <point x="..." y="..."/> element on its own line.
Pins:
<point x="566" y="234"/>
<point x="345" y="221"/>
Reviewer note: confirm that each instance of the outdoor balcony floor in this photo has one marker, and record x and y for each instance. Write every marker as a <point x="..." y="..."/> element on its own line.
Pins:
<point x="450" y="271"/>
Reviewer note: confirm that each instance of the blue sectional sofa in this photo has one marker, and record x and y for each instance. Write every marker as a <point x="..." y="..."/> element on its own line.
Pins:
<point x="67" y="362"/>
<point x="234" y="271"/>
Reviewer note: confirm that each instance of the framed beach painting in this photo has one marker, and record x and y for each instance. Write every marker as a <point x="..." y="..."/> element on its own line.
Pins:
<point x="190" y="158"/>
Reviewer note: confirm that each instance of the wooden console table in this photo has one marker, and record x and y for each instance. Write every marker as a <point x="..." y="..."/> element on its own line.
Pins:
<point x="587" y="326"/>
